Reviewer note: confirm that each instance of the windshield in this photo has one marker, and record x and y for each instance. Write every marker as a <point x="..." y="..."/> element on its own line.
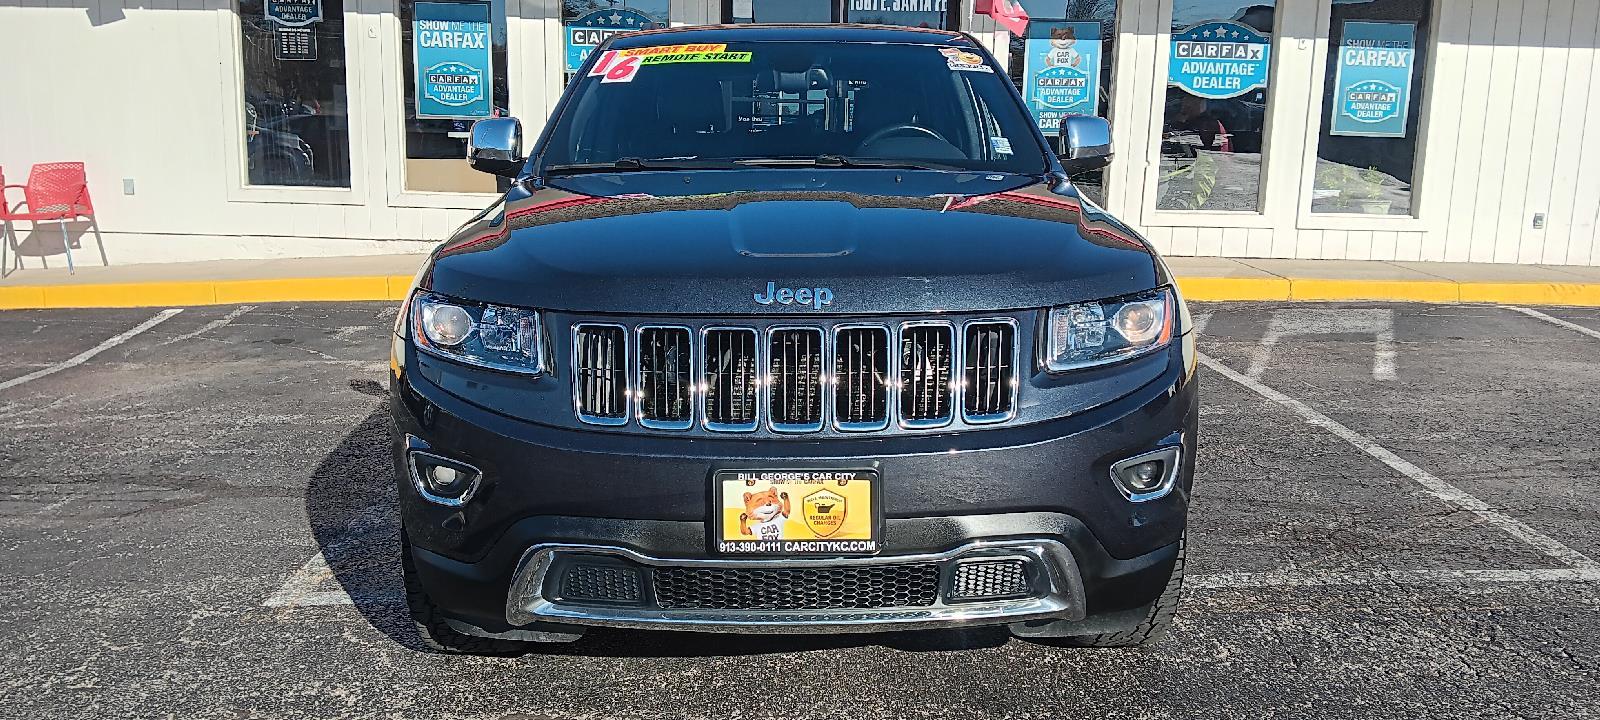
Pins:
<point x="831" y="103"/>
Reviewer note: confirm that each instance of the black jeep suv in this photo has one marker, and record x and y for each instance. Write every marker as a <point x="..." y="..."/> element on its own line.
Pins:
<point x="790" y="329"/>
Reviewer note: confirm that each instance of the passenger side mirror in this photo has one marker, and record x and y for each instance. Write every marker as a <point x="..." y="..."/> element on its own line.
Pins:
<point x="495" y="146"/>
<point x="1084" y="144"/>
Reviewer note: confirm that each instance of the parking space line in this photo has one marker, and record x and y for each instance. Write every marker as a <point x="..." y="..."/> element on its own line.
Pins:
<point x="1440" y="489"/>
<point x="208" y="327"/>
<point x="84" y="356"/>
<point x="1426" y="576"/>
<point x="1591" y="332"/>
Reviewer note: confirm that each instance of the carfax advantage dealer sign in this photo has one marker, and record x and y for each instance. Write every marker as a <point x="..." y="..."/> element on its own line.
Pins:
<point x="450" y="45"/>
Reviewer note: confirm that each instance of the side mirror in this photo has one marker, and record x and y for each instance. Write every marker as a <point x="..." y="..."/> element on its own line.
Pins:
<point x="495" y="146"/>
<point x="1084" y="143"/>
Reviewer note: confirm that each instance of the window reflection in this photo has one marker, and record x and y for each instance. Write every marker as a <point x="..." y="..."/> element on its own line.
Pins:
<point x="1216" y="106"/>
<point x="1372" y="97"/>
<point x="297" y="129"/>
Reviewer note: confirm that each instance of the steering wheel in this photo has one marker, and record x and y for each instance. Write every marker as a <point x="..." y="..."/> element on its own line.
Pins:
<point x="901" y="128"/>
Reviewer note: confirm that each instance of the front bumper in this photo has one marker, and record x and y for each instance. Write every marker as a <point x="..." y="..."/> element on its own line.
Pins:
<point x="1038" y="490"/>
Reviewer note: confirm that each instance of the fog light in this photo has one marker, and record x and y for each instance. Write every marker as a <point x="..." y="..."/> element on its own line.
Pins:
<point x="1148" y="476"/>
<point x="442" y="480"/>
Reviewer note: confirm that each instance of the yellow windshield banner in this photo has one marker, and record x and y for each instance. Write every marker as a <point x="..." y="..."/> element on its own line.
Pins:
<point x="686" y="53"/>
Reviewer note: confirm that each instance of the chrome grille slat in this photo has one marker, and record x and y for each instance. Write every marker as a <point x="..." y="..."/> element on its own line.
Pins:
<point x="927" y="363"/>
<point x="794" y="390"/>
<point x="989" y="374"/>
<point x="600" y="376"/>
<point x="666" y="373"/>
<point x="861" y="377"/>
<point x="732" y="379"/>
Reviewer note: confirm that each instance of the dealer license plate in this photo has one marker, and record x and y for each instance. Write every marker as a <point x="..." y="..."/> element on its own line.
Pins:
<point x="796" y="512"/>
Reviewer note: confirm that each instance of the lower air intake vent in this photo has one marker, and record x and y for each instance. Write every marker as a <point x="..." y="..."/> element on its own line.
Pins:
<point x="989" y="373"/>
<point x="926" y="367"/>
<point x="732" y="378"/>
<point x="794" y="361"/>
<point x="990" y="580"/>
<point x="666" y="376"/>
<point x="600" y="367"/>
<point x="861" y="588"/>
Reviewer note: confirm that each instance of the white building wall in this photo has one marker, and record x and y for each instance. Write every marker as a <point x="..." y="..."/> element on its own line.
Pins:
<point x="1512" y="113"/>
<point x="149" y="90"/>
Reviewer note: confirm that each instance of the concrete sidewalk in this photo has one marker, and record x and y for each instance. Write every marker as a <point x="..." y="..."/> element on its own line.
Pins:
<point x="386" y="277"/>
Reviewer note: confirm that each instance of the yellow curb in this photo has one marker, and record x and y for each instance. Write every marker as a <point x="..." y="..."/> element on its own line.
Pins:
<point x="1203" y="289"/>
<point x="1433" y="291"/>
<point x="392" y="288"/>
<point x="1532" y="293"/>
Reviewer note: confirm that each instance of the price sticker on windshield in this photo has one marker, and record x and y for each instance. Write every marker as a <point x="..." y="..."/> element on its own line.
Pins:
<point x="613" y="66"/>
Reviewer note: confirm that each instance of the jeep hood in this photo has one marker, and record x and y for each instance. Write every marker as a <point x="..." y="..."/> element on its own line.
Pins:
<point x="881" y="242"/>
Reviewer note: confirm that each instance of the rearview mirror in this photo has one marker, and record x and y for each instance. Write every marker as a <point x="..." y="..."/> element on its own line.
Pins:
<point x="495" y="146"/>
<point x="1084" y="143"/>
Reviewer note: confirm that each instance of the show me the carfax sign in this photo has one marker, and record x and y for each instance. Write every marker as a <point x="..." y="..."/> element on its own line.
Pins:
<point x="1219" y="59"/>
<point x="1372" y="85"/>
<point x="450" y="44"/>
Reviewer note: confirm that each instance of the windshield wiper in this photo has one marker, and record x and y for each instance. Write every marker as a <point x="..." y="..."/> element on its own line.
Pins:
<point x="633" y="164"/>
<point x="831" y="160"/>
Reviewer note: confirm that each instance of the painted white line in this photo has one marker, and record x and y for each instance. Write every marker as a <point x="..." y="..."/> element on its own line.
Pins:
<point x="302" y="588"/>
<point x="1387" y="577"/>
<point x="1440" y="489"/>
<point x="208" y="327"/>
<point x="1379" y="323"/>
<point x="1591" y="332"/>
<point x="84" y="356"/>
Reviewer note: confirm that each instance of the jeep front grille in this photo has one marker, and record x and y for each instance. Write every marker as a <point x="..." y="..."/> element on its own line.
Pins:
<point x="794" y="364"/>
<point x="927" y="364"/>
<point x="850" y="377"/>
<point x="666" y="378"/>
<point x="732" y="378"/>
<point x="600" y="376"/>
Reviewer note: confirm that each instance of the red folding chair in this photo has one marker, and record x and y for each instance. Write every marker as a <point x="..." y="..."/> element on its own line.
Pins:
<point x="55" y="192"/>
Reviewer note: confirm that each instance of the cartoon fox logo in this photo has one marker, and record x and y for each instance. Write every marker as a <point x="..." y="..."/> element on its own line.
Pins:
<point x="1063" y="52"/>
<point x="764" y="514"/>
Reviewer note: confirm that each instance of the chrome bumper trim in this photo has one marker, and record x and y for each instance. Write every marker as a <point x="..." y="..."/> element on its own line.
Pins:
<point x="1063" y="599"/>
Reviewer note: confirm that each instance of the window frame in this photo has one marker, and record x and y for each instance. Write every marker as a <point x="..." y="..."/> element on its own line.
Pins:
<point x="1422" y="202"/>
<point x="1276" y="115"/>
<point x="235" y="151"/>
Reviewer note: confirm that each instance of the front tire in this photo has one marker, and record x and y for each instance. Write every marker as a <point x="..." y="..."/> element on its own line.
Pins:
<point x="1152" y="627"/>
<point x="435" y="633"/>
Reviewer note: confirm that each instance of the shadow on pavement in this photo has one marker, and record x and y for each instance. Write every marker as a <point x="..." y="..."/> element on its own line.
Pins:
<point x="351" y="505"/>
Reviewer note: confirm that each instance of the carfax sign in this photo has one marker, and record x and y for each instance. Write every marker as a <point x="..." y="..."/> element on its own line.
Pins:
<point x="588" y="31"/>
<point x="1372" y="85"/>
<point x="1061" y="63"/>
<point x="293" y="13"/>
<point x="454" y="71"/>
<point x="1219" y="59"/>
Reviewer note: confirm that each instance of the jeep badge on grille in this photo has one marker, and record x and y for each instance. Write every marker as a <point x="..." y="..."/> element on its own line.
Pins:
<point x="817" y="298"/>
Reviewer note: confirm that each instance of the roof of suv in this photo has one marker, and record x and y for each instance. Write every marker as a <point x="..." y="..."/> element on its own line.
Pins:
<point x="814" y="33"/>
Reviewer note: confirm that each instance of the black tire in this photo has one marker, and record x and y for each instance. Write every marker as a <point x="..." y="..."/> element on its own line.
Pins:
<point x="435" y="633"/>
<point x="1155" y="624"/>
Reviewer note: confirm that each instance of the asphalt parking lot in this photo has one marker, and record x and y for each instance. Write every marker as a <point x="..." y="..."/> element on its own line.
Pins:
<point x="1394" y="516"/>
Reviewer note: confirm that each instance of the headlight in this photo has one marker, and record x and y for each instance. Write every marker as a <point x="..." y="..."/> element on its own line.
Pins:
<point x="1096" y="333"/>
<point x="492" y="336"/>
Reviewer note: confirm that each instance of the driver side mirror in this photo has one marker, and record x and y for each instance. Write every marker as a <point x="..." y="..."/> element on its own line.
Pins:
<point x="495" y="146"/>
<point x="1084" y="143"/>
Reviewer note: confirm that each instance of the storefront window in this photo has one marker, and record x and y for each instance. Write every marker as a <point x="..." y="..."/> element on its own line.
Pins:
<point x="587" y="23"/>
<point x="781" y="11"/>
<point x="455" y="73"/>
<point x="297" y="127"/>
<point x="909" y="13"/>
<point x="1367" y="151"/>
<point x="1063" y="67"/>
<point x="1216" y="105"/>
